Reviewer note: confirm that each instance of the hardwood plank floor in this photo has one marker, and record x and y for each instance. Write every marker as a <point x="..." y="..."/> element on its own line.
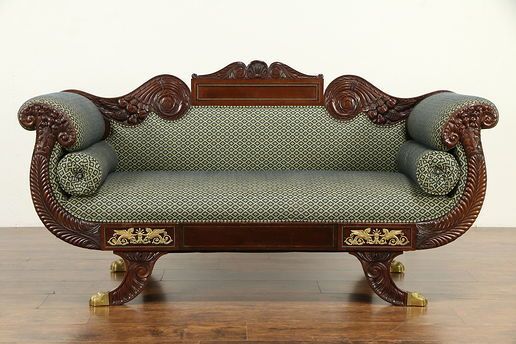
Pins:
<point x="258" y="297"/>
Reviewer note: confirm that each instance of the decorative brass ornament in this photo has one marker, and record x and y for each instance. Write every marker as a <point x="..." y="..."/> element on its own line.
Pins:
<point x="118" y="265"/>
<point x="416" y="300"/>
<point x="140" y="236"/>
<point x="367" y="236"/>
<point x="397" y="267"/>
<point x="100" y="299"/>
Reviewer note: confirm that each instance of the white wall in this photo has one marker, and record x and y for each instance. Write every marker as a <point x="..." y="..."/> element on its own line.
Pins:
<point x="405" y="47"/>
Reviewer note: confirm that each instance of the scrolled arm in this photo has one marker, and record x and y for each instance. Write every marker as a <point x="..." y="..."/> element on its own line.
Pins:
<point x="73" y="120"/>
<point x="438" y="121"/>
<point x="443" y="121"/>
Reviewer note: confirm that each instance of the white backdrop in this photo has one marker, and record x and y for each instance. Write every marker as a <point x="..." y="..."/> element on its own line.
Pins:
<point x="404" y="47"/>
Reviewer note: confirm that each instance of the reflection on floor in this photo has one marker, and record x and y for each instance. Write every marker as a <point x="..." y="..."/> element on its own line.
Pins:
<point x="255" y="298"/>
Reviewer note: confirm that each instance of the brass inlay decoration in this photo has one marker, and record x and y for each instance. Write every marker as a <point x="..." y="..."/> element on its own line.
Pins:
<point x="394" y="237"/>
<point x="140" y="236"/>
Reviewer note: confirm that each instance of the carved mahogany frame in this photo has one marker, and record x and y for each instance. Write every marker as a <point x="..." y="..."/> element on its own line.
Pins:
<point x="344" y="98"/>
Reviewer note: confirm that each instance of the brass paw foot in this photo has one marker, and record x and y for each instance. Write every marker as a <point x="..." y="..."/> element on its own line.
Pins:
<point x="397" y="267"/>
<point x="100" y="299"/>
<point x="118" y="265"/>
<point x="416" y="300"/>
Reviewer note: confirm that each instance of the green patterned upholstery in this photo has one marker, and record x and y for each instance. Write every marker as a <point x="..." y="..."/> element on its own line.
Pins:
<point x="436" y="172"/>
<point x="256" y="164"/>
<point x="262" y="196"/>
<point x="427" y="119"/>
<point x="257" y="138"/>
<point x="85" y="116"/>
<point x="81" y="173"/>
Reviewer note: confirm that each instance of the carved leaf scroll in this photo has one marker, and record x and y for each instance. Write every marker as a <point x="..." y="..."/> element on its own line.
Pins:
<point x="376" y="267"/>
<point x="165" y="95"/>
<point x="139" y="266"/>
<point x="349" y="95"/>
<point x="257" y="70"/>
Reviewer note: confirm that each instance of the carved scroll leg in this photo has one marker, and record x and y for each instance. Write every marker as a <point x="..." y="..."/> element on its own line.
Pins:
<point x="376" y="267"/>
<point x="139" y="267"/>
<point x="397" y="267"/>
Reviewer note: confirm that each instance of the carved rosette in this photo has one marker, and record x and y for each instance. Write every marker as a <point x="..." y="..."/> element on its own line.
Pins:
<point x="165" y="95"/>
<point x="349" y="95"/>
<point x="256" y="70"/>
<point x="463" y="127"/>
<point x="53" y="126"/>
<point x="376" y="267"/>
<point x="139" y="267"/>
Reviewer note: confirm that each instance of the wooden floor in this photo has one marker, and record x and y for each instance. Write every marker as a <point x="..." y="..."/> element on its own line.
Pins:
<point x="258" y="298"/>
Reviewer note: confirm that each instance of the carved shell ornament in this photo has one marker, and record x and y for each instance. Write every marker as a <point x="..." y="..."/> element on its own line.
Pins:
<point x="257" y="70"/>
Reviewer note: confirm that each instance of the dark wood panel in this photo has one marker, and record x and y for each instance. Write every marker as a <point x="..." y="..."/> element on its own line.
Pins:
<point x="259" y="236"/>
<point x="251" y="92"/>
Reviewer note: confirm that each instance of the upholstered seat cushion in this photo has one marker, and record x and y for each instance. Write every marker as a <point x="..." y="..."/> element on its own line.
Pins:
<point x="262" y="196"/>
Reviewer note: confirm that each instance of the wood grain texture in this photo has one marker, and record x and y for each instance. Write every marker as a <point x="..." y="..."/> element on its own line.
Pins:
<point x="259" y="237"/>
<point x="257" y="298"/>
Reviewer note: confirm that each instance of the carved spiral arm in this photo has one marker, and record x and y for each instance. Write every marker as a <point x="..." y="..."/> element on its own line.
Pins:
<point x="139" y="267"/>
<point x="376" y="267"/>
<point x="52" y="126"/>
<point x="165" y="95"/>
<point x="463" y="126"/>
<point x="349" y="95"/>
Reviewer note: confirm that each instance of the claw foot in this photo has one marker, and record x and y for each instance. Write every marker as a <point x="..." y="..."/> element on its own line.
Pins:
<point x="416" y="300"/>
<point x="100" y="299"/>
<point x="118" y="265"/>
<point x="397" y="267"/>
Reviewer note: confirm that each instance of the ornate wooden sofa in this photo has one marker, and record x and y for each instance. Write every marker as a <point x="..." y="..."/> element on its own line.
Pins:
<point x="257" y="158"/>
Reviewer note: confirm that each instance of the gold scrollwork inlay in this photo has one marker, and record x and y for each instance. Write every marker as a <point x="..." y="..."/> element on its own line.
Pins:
<point x="140" y="236"/>
<point x="370" y="236"/>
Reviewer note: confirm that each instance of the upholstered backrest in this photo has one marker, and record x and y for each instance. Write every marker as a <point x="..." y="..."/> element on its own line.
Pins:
<point x="257" y="138"/>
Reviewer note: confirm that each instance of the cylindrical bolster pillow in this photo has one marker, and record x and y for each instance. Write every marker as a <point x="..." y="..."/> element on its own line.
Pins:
<point x="84" y="116"/>
<point x="436" y="172"/>
<point x="426" y="121"/>
<point x="82" y="173"/>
